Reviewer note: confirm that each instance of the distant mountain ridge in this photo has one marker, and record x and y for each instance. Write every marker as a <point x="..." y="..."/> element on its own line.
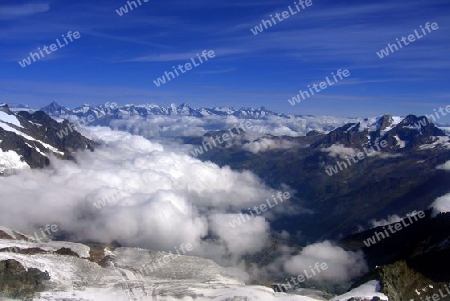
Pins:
<point x="55" y="110"/>
<point x="104" y="113"/>
<point x="282" y="124"/>
<point x="145" y="110"/>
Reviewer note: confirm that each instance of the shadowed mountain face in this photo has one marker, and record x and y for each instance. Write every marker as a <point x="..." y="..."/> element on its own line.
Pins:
<point x="411" y="261"/>
<point x="412" y="132"/>
<point x="32" y="137"/>
<point x="400" y="178"/>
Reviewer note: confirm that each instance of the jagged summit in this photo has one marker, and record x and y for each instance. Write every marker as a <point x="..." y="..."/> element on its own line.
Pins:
<point x="5" y="108"/>
<point x="55" y="109"/>
<point x="409" y="132"/>
<point x="384" y="122"/>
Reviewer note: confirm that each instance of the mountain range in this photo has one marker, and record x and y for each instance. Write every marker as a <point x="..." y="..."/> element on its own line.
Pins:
<point x="342" y="190"/>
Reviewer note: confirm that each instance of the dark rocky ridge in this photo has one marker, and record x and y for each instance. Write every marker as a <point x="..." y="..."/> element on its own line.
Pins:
<point x="373" y="188"/>
<point x="17" y="282"/>
<point x="413" y="259"/>
<point x="404" y="180"/>
<point x="353" y="135"/>
<point x="43" y="129"/>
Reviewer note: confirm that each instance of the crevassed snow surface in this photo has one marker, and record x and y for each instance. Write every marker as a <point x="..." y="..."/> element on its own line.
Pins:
<point x="80" y="249"/>
<point x="368" y="290"/>
<point x="185" y="278"/>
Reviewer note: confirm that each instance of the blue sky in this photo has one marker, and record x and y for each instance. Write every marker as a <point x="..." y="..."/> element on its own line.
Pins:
<point x="118" y="57"/>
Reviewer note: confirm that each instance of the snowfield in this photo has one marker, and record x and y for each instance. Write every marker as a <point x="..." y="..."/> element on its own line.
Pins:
<point x="368" y="290"/>
<point x="185" y="278"/>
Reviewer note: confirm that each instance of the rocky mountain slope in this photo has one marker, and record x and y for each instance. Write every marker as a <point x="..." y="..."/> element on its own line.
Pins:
<point x="405" y="174"/>
<point x="340" y="194"/>
<point x="28" y="139"/>
<point x="411" y="262"/>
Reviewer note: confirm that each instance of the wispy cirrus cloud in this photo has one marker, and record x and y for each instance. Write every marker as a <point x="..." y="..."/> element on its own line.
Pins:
<point x="165" y="57"/>
<point x="170" y="57"/>
<point x="8" y="12"/>
<point x="216" y="71"/>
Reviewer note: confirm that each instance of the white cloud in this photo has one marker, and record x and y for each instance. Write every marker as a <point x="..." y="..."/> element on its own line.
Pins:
<point x="339" y="150"/>
<point x="385" y="156"/>
<point x="154" y="198"/>
<point x="158" y="199"/>
<point x="249" y="237"/>
<point x="22" y="10"/>
<point x="441" y="204"/>
<point x="445" y="166"/>
<point x="384" y="222"/>
<point x="166" y="126"/>
<point x="265" y="144"/>
<point x="391" y="219"/>
<point x="342" y="265"/>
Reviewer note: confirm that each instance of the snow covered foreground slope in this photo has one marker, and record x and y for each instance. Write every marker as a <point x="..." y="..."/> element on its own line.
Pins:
<point x="183" y="278"/>
<point x="120" y="275"/>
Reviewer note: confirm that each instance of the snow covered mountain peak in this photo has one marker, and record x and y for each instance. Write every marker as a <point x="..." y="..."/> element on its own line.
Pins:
<point x="27" y="140"/>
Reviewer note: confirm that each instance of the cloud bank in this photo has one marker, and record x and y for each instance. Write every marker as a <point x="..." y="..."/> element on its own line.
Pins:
<point x="445" y="166"/>
<point x="441" y="204"/>
<point x="339" y="150"/>
<point x="138" y="193"/>
<point x="266" y="144"/>
<point x="160" y="126"/>
<point x="342" y="265"/>
<point x="153" y="198"/>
